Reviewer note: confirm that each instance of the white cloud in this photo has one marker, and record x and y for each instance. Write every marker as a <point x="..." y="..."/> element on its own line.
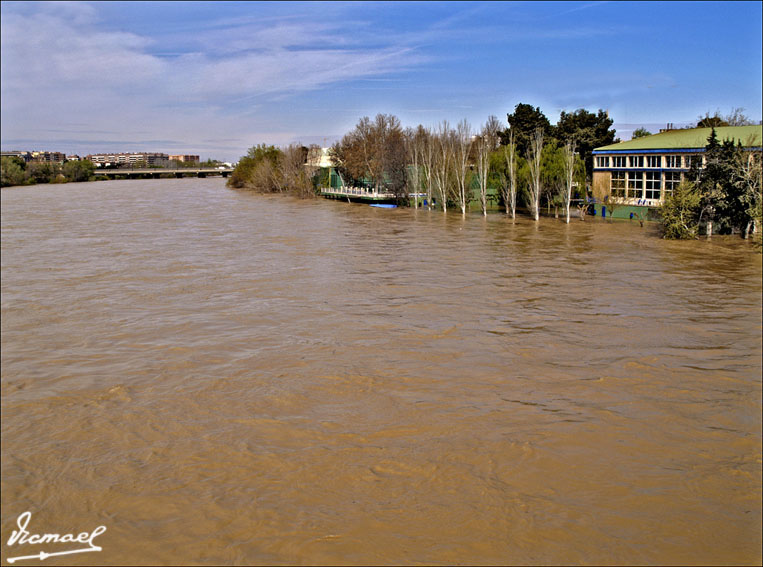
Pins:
<point x="62" y="66"/>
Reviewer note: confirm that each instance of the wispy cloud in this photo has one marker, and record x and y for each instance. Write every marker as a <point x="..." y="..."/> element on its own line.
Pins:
<point x="59" y="60"/>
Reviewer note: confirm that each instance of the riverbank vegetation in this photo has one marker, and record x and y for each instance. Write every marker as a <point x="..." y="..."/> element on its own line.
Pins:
<point x="448" y="166"/>
<point x="15" y="171"/>
<point x="268" y="169"/>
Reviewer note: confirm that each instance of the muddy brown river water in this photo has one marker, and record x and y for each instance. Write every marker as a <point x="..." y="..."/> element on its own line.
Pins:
<point x="225" y="378"/>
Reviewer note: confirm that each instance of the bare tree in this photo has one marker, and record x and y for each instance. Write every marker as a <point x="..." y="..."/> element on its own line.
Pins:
<point x="290" y="167"/>
<point x="486" y="144"/>
<point x="416" y="141"/>
<point x="462" y="149"/>
<point x="569" y="172"/>
<point x="737" y="118"/>
<point x="374" y="151"/>
<point x="533" y="160"/>
<point x="510" y="188"/>
<point x="428" y="160"/>
<point x="747" y="171"/>
<point x="412" y="154"/>
<point x="265" y="177"/>
<point x="443" y="162"/>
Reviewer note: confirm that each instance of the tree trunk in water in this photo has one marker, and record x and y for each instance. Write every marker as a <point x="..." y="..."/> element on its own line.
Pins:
<point x="709" y="228"/>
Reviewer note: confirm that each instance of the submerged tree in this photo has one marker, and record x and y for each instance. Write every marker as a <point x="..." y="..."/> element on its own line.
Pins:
<point x="569" y="175"/>
<point x="487" y="141"/>
<point x="414" y="152"/>
<point x="680" y="212"/>
<point x="374" y="152"/>
<point x="428" y="161"/>
<point x="510" y="184"/>
<point x="729" y="186"/>
<point x="748" y="179"/>
<point x="443" y="164"/>
<point x="462" y="145"/>
<point x="268" y="169"/>
<point x="552" y="175"/>
<point x="534" y="162"/>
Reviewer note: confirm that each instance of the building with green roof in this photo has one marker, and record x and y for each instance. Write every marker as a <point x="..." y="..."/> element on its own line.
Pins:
<point x="638" y="174"/>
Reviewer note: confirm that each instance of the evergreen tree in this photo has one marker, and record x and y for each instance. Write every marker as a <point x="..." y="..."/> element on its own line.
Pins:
<point x="589" y="131"/>
<point x="524" y="122"/>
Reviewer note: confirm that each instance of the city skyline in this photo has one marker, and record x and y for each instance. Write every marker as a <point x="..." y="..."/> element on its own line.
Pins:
<point x="217" y="78"/>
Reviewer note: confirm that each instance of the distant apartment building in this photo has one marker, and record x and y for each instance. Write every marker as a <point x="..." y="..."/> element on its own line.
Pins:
<point x="644" y="171"/>
<point x="49" y="157"/>
<point x="26" y="156"/>
<point x="37" y="156"/>
<point x="129" y="159"/>
<point x="185" y="158"/>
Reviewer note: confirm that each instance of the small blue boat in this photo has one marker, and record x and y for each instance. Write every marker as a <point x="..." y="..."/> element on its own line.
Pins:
<point x="383" y="206"/>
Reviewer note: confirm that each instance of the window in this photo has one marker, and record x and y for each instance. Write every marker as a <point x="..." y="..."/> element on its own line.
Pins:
<point x="618" y="161"/>
<point x="653" y="161"/>
<point x="635" y="184"/>
<point x="672" y="180"/>
<point x="673" y="161"/>
<point x="652" y="185"/>
<point x="602" y="161"/>
<point x="637" y="161"/>
<point x="689" y="160"/>
<point x="617" y="187"/>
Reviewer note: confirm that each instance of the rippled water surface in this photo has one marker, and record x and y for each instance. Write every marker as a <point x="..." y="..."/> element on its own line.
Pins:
<point x="225" y="378"/>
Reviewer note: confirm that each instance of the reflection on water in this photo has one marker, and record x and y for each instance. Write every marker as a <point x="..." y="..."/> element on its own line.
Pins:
<point x="220" y="377"/>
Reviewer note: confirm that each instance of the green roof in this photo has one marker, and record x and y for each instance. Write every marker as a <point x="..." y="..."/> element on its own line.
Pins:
<point x="694" y="138"/>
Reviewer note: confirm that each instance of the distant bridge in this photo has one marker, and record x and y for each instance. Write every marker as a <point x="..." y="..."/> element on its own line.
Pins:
<point x="157" y="172"/>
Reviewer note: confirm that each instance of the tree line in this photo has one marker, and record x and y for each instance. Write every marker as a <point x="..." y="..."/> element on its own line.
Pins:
<point x="15" y="171"/>
<point x="527" y="161"/>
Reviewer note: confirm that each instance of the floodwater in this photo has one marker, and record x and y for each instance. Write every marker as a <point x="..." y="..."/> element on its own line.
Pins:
<point x="219" y="377"/>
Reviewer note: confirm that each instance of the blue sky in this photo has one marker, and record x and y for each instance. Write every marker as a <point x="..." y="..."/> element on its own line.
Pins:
<point x="216" y="78"/>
